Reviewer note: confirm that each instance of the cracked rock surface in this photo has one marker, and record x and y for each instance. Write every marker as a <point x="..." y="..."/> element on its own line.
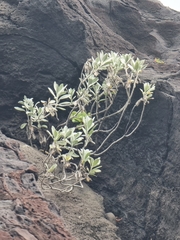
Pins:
<point x="42" y="41"/>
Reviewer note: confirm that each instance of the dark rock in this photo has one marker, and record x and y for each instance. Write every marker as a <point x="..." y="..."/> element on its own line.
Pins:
<point x="42" y="41"/>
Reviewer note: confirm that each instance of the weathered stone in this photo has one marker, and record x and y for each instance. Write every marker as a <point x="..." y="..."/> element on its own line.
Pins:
<point x="81" y="209"/>
<point x="42" y="41"/>
<point x="24" y="212"/>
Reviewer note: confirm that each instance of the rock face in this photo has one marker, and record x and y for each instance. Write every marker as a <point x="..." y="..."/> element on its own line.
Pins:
<point x="42" y="41"/>
<point x="24" y="212"/>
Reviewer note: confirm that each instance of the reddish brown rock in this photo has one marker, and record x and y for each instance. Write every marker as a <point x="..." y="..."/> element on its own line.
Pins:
<point x="24" y="213"/>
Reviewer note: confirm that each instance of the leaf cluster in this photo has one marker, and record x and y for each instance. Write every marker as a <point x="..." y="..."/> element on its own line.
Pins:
<point x="70" y="159"/>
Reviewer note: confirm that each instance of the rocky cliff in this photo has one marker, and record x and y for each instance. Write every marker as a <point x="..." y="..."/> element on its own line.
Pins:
<point x="42" y="41"/>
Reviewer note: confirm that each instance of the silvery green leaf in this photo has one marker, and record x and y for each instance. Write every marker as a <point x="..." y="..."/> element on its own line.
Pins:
<point x="96" y="162"/>
<point x="52" y="168"/>
<point x="55" y="85"/>
<point x="19" y="109"/>
<point x="21" y="102"/>
<point x="23" y="125"/>
<point x="64" y="104"/>
<point x="61" y="108"/>
<point x="50" y="134"/>
<point x="44" y="120"/>
<point x="44" y="126"/>
<point x="65" y="96"/>
<point x="53" y="130"/>
<point x="51" y="91"/>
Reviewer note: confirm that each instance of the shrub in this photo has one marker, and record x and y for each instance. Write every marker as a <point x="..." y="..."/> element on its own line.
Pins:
<point x="72" y="156"/>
